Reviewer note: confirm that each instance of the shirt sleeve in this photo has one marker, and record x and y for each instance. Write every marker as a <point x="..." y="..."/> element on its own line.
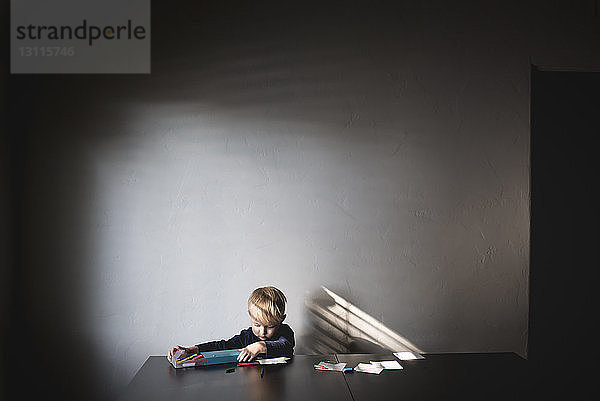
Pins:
<point x="234" y="342"/>
<point x="282" y="346"/>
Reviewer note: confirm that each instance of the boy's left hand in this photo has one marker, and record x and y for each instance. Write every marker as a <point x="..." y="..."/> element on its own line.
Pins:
<point x="251" y="351"/>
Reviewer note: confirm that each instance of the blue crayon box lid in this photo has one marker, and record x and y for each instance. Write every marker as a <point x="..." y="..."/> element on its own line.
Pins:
<point x="205" y="358"/>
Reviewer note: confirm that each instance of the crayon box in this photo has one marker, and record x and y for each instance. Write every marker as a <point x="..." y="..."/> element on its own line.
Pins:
<point x="206" y="358"/>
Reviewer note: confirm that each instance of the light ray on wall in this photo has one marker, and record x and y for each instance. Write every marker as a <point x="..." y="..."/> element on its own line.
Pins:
<point x="338" y="323"/>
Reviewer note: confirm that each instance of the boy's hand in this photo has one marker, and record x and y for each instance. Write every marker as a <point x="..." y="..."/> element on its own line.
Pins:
<point x="186" y="350"/>
<point x="251" y="351"/>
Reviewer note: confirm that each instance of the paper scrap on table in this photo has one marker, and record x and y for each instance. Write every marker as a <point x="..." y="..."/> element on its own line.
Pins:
<point x="408" y="355"/>
<point x="393" y="365"/>
<point x="273" y="361"/>
<point x="368" y="368"/>
<point x="339" y="367"/>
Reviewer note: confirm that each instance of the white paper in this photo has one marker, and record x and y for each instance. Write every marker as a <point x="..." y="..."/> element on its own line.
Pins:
<point x="368" y="368"/>
<point x="273" y="361"/>
<point x="408" y="355"/>
<point x="339" y="367"/>
<point x="392" y="365"/>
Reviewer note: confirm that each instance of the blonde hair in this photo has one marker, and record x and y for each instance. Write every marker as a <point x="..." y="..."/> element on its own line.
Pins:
<point x="269" y="305"/>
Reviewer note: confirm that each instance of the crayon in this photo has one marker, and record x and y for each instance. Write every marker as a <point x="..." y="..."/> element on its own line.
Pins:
<point x="186" y="358"/>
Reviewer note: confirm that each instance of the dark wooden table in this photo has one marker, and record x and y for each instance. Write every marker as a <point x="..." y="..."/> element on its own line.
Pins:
<point x="461" y="376"/>
<point x="296" y="380"/>
<point x="489" y="376"/>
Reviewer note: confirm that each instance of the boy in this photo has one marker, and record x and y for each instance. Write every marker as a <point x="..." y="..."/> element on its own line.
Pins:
<point x="267" y="335"/>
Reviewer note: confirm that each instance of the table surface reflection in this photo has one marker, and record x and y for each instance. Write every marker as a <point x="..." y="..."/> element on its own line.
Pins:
<point x="487" y="376"/>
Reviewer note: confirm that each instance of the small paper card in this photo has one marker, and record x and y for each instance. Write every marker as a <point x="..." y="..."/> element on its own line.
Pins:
<point x="273" y="361"/>
<point x="392" y="365"/>
<point x="338" y="367"/>
<point x="408" y="355"/>
<point x="368" y="368"/>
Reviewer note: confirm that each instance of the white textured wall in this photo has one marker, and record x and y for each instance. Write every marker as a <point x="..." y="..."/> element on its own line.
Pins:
<point x="382" y="154"/>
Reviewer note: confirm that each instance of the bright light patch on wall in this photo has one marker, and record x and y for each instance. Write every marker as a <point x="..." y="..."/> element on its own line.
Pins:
<point x="343" y="320"/>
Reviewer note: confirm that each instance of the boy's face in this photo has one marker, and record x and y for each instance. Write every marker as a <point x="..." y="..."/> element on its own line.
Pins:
<point x="260" y="329"/>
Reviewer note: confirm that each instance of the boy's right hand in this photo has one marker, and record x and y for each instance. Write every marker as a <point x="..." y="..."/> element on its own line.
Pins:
<point x="186" y="350"/>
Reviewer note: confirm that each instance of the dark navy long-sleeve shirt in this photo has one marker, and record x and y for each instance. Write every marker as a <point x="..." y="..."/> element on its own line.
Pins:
<point x="282" y="344"/>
